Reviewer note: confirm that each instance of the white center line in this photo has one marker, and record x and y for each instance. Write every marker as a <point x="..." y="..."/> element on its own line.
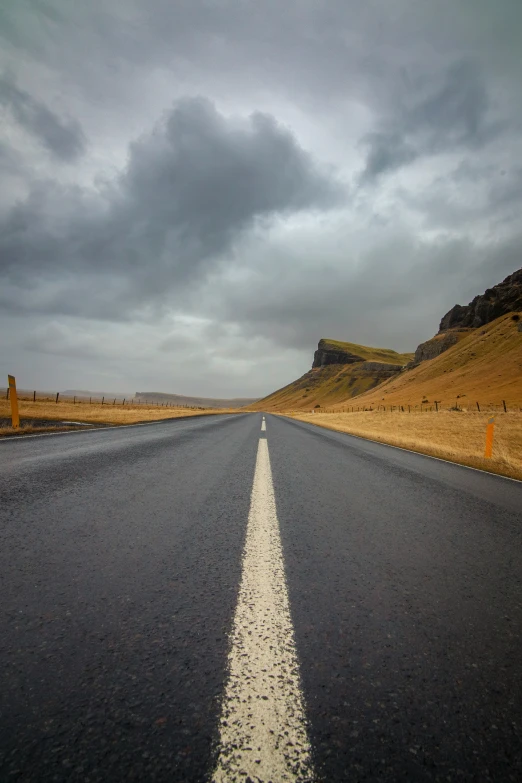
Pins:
<point x="263" y="734"/>
<point x="263" y="426"/>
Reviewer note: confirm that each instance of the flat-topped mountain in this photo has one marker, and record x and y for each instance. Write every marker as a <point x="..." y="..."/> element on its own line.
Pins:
<point x="336" y="352"/>
<point x="340" y="370"/>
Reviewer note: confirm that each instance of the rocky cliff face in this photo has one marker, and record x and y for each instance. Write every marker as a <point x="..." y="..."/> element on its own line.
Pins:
<point x="432" y="348"/>
<point x="381" y="370"/>
<point x="506" y="297"/>
<point x="326" y="354"/>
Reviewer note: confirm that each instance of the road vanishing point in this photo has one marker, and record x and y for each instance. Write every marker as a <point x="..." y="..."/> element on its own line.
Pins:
<point x="252" y="598"/>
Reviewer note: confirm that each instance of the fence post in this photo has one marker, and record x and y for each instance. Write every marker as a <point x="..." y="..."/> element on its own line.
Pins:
<point x="57" y="397"/>
<point x="114" y="403"/>
<point x="478" y="407"/>
<point x="103" y="398"/>
<point x="504" y="404"/>
<point x="11" y="390"/>
<point x="124" y="400"/>
<point x="489" y="437"/>
<point x="34" y="396"/>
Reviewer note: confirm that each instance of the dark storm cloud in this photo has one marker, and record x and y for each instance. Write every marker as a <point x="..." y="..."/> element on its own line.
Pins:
<point x="190" y="188"/>
<point x="63" y="138"/>
<point x="450" y="116"/>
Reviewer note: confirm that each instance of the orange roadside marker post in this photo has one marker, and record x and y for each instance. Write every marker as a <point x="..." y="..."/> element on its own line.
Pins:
<point x="15" y="418"/>
<point x="489" y="437"/>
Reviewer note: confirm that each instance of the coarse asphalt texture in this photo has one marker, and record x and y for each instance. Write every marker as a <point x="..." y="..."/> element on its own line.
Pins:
<point x="121" y="563"/>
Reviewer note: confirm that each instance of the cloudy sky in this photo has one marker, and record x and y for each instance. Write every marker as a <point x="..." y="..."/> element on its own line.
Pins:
<point x="195" y="191"/>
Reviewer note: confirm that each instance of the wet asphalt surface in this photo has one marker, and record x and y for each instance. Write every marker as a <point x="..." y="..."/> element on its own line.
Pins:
<point x="120" y="563"/>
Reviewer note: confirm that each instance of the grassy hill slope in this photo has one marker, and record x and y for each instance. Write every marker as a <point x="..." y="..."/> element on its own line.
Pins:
<point x="333" y="383"/>
<point x="485" y="366"/>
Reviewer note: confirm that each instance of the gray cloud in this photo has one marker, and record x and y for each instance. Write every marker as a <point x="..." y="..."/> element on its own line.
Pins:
<point x="10" y="160"/>
<point x="356" y="296"/>
<point x="190" y="188"/>
<point x="63" y="138"/>
<point x="386" y="151"/>
<point x="214" y="245"/>
<point x="456" y="111"/>
<point x="451" y="116"/>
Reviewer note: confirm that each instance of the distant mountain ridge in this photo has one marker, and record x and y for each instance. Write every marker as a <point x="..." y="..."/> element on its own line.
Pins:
<point x="86" y="393"/>
<point x="159" y="397"/>
<point x="197" y="402"/>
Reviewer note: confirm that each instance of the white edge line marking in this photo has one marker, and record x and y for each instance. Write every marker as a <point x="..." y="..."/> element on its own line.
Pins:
<point x="108" y="427"/>
<point x="408" y="451"/>
<point x="263" y="733"/>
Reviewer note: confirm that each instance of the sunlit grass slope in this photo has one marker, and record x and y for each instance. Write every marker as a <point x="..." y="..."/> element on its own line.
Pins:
<point x="333" y="383"/>
<point x="485" y="366"/>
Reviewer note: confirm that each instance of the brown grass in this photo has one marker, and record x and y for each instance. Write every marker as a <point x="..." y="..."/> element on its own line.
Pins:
<point x="453" y="436"/>
<point x="97" y="413"/>
<point x="485" y="366"/>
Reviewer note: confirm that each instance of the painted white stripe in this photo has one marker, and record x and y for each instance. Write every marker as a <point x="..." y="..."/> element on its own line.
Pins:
<point x="263" y="735"/>
<point x="263" y="426"/>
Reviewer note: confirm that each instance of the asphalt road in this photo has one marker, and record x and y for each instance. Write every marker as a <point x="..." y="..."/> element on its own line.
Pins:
<point x="133" y="559"/>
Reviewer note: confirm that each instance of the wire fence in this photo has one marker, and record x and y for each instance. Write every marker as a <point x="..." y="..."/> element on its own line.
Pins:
<point x="425" y="407"/>
<point x="127" y="402"/>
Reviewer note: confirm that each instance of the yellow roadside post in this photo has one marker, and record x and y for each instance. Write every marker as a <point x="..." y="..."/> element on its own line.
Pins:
<point x="489" y="437"/>
<point x="15" y="418"/>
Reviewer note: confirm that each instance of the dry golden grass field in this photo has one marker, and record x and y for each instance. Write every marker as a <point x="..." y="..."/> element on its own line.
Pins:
<point x="451" y="435"/>
<point x="485" y="366"/>
<point x="92" y="414"/>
